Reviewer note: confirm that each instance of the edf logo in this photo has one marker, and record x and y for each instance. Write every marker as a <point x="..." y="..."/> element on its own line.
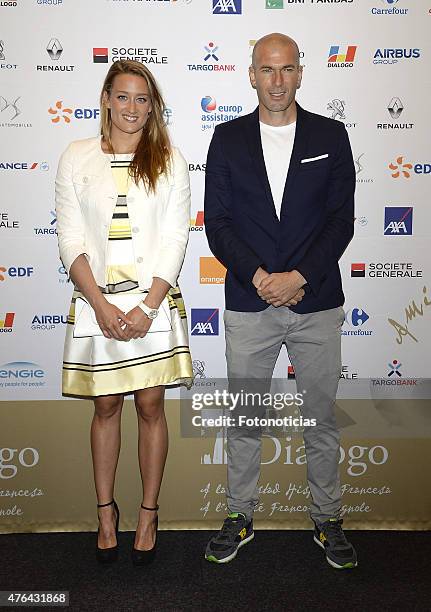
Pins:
<point x="205" y="322"/>
<point x="15" y="272"/>
<point x="227" y="7"/>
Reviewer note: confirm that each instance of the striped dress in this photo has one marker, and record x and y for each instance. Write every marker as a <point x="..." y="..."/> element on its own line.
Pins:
<point x="95" y="366"/>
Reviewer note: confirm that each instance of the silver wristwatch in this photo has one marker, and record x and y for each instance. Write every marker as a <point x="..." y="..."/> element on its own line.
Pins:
<point x="150" y="312"/>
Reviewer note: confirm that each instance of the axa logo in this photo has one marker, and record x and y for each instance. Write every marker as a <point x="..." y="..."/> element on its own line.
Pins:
<point x="398" y="221"/>
<point x="24" y="166"/>
<point x="227" y="7"/>
<point x="400" y="168"/>
<point x="205" y="322"/>
<point x="60" y="113"/>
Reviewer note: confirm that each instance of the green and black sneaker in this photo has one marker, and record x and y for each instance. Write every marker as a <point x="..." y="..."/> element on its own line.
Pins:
<point x="339" y="552"/>
<point x="236" y="532"/>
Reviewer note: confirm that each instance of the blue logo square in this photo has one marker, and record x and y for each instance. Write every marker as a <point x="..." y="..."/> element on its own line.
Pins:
<point x="398" y="221"/>
<point x="205" y="322"/>
<point x="227" y="7"/>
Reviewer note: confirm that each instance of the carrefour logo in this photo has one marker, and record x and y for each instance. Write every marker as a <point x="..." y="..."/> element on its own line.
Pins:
<point x="61" y="113"/>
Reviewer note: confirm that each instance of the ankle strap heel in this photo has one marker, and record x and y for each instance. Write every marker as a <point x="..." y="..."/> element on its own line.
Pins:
<point x="109" y="555"/>
<point x="151" y="509"/>
<point x="145" y="557"/>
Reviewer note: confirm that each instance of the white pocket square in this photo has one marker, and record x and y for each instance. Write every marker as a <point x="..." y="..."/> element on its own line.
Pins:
<point x="311" y="159"/>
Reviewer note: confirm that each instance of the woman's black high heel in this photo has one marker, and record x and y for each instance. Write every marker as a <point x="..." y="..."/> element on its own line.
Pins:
<point x="109" y="555"/>
<point x="144" y="557"/>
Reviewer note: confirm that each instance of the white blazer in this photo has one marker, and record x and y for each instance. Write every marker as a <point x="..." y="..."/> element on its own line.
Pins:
<point x="85" y="198"/>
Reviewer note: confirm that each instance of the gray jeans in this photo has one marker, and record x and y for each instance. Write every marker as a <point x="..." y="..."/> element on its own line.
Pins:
<point x="253" y="343"/>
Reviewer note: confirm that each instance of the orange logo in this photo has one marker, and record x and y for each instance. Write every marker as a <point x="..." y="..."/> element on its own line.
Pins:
<point x="400" y="168"/>
<point x="211" y="271"/>
<point x="59" y="109"/>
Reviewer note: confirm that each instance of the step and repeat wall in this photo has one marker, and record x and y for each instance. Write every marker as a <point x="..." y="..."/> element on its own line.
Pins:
<point x="366" y="63"/>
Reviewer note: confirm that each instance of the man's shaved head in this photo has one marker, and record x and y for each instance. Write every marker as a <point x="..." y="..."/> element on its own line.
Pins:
<point x="271" y="39"/>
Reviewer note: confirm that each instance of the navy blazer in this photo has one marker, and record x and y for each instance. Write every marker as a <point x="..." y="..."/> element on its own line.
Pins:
<point x="316" y="218"/>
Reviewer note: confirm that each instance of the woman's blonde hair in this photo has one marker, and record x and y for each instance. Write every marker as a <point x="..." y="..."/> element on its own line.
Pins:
<point x="153" y="153"/>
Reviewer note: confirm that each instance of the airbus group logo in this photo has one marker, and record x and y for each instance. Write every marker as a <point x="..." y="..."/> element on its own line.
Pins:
<point x="398" y="221"/>
<point x="205" y="322"/>
<point x="393" y="56"/>
<point x="211" y="58"/>
<point x="227" y="7"/>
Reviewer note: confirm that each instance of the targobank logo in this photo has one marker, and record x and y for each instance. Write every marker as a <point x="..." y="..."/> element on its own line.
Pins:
<point x="223" y="112"/>
<point x="227" y="7"/>
<point x="9" y="165"/>
<point x="47" y="230"/>
<point x="21" y="374"/>
<point x="211" y="58"/>
<point x="393" y="56"/>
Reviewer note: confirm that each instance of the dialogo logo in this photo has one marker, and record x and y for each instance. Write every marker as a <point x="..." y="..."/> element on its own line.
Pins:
<point x="197" y="224"/>
<point x="341" y="56"/>
<point x="6" y="324"/>
<point x="211" y="271"/>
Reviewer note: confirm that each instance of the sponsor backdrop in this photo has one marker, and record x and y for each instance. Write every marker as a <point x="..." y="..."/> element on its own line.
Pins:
<point x="366" y="63"/>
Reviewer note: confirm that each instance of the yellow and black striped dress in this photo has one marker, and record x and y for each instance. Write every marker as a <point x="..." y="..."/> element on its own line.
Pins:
<point x="96" y="365"/>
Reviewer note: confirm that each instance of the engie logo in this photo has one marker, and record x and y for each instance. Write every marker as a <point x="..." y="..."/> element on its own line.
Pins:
<point x="341" y="56"/>
<point x="205" y="322"/>
<point x="197" y="224"/>
<point x="227" y="7"/>
<point x="60" y="113"/>
<point x="24" y="166"/>
<point x="6" y="324"/>
<point x="211" y="271"/>
<point x="393" y="56"/>
<point x="15" y="272"/>
<point x="21" y="374"/>
<point x="398" y="221"/>
<point x="224" y="112"/>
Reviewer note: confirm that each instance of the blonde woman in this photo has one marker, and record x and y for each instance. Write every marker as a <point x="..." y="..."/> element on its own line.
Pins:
<point x="123" y="203"/>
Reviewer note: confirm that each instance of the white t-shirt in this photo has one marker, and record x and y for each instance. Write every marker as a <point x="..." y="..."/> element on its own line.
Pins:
<point x="277" y="145"/>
